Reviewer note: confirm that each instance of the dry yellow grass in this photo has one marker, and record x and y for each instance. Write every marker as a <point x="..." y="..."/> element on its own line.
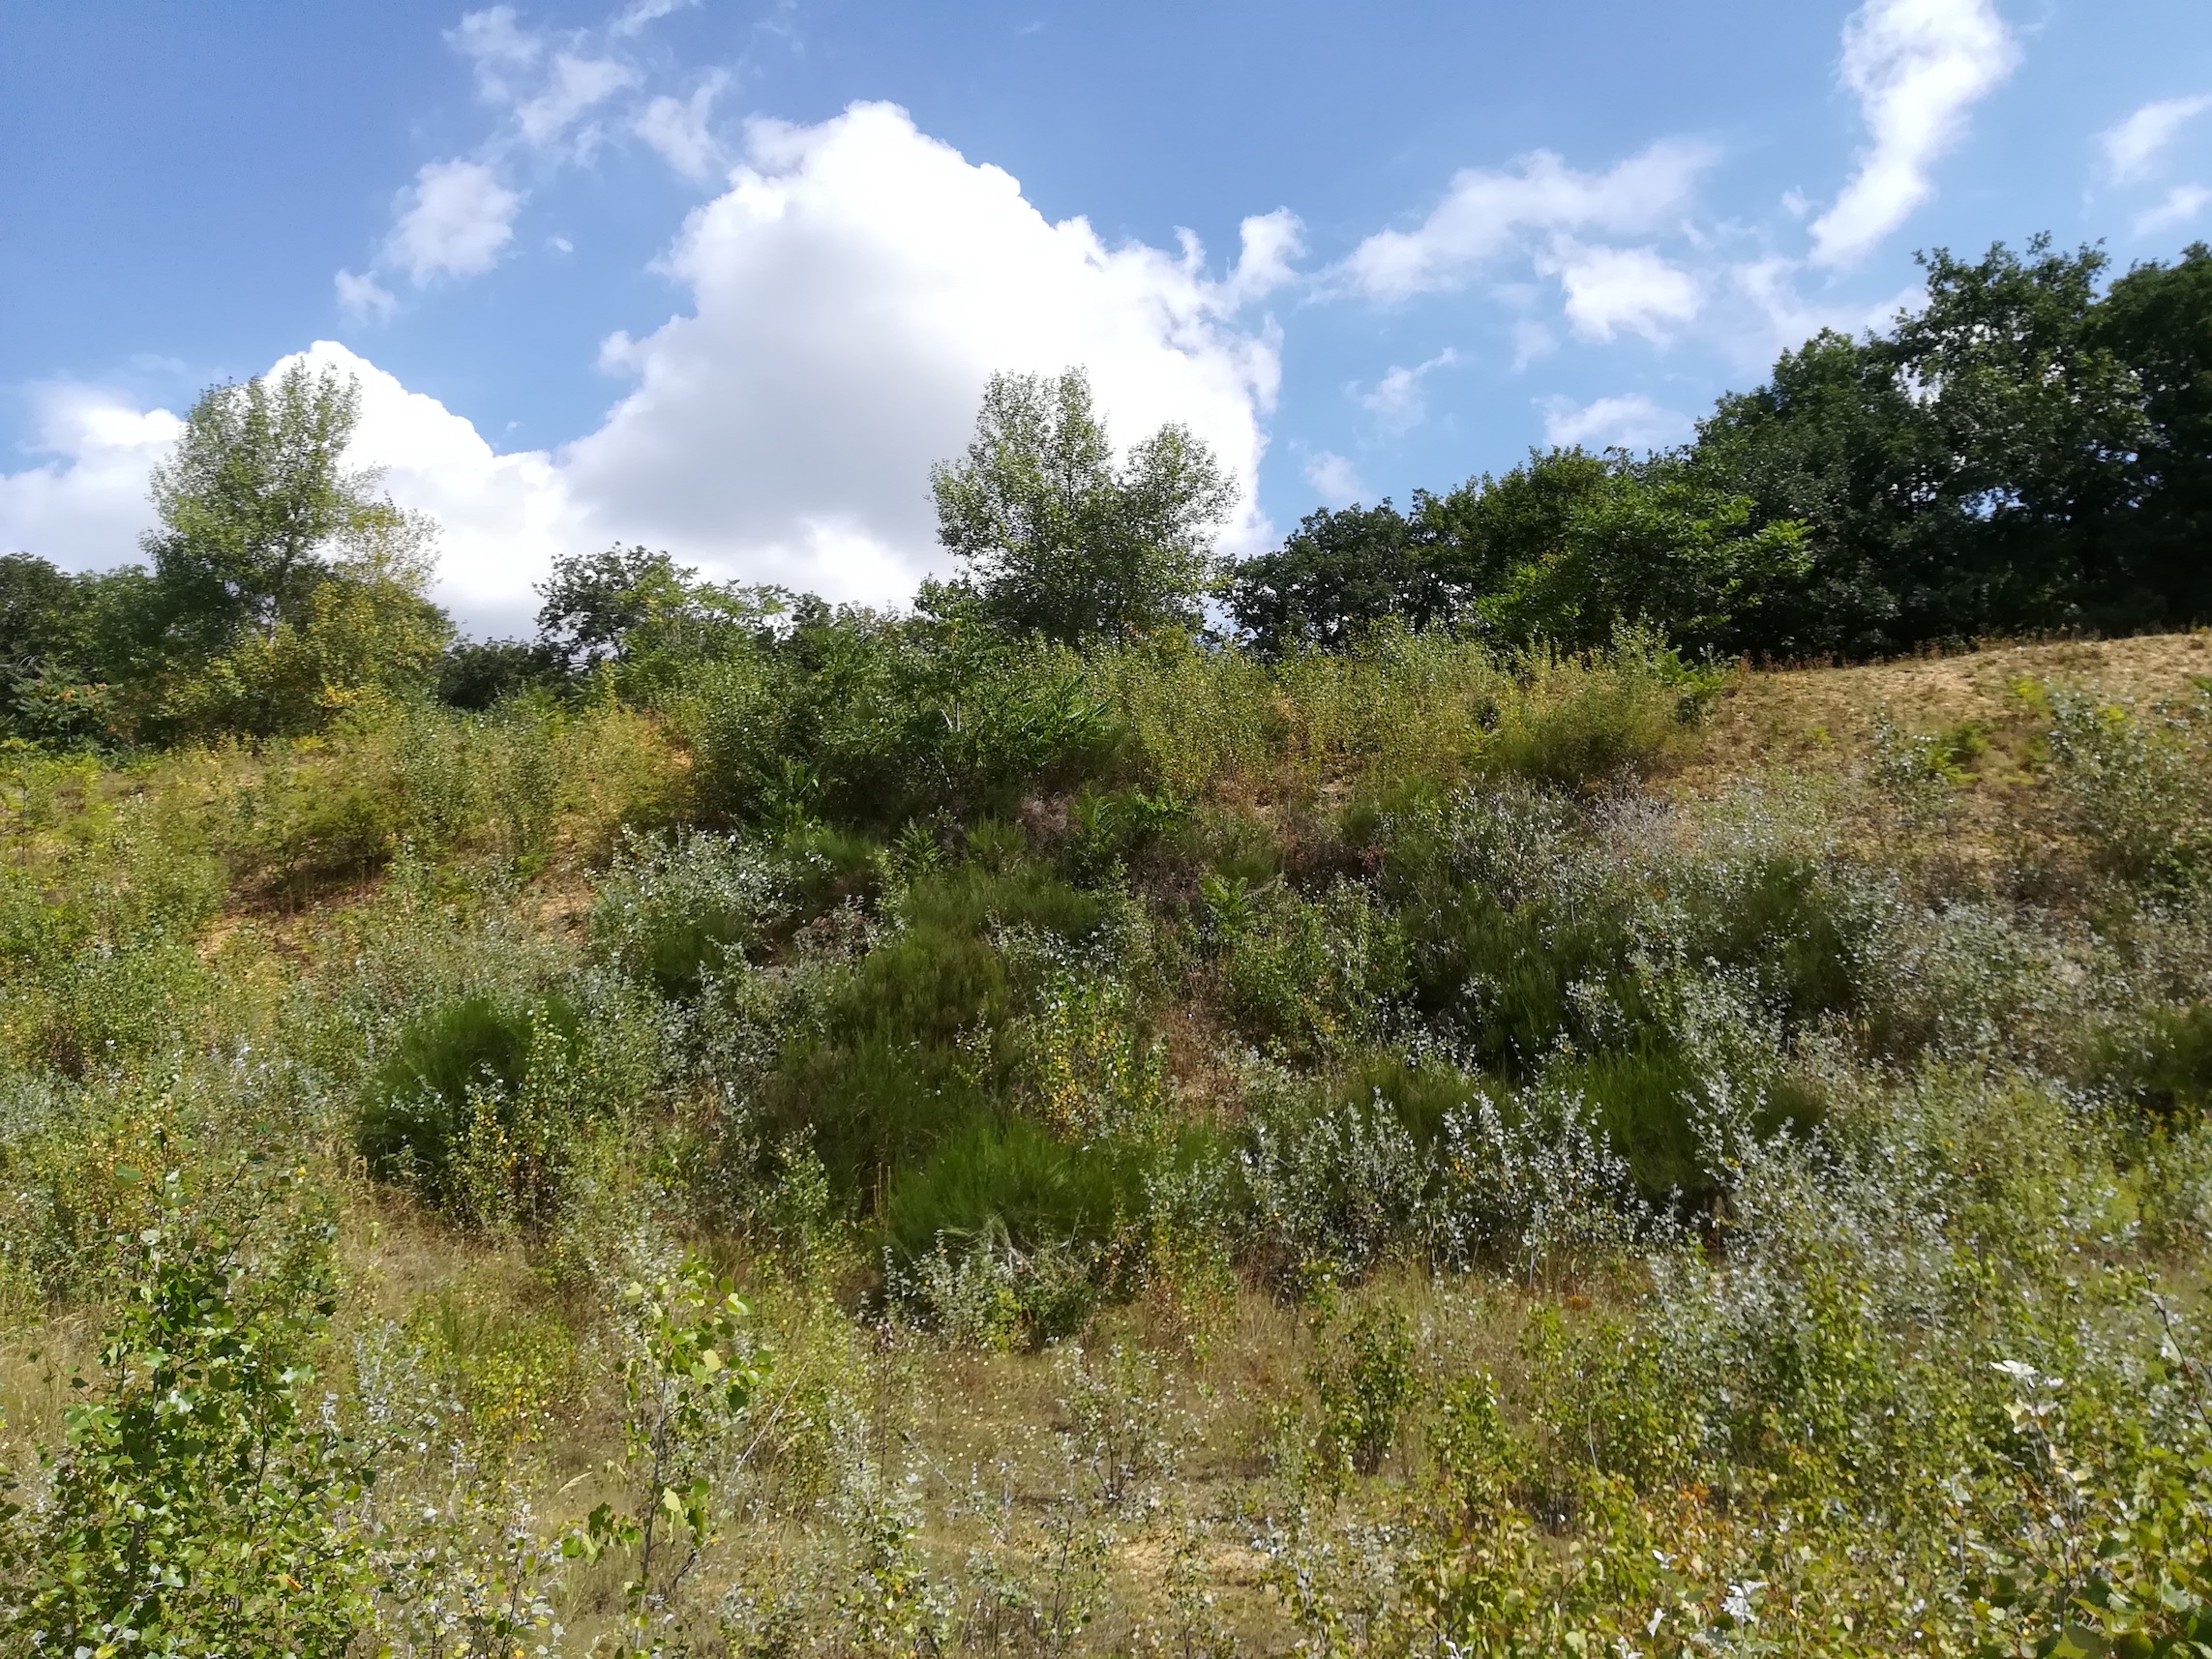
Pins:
<point x="1813" y="719"/>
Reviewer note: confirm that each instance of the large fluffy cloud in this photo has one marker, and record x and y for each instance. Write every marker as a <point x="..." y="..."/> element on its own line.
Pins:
<point x="849" y="294"/>
<point x="84" y="502"/>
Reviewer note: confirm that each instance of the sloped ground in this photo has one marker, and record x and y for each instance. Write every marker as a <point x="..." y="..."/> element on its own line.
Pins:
<point x="1822" y="718"/>
<point x="1828" y="1409"/>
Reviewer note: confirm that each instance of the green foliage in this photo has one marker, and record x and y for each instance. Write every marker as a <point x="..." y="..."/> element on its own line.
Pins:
<point x="593" y="606"/>
<point x="1649" y="543"/>
<point x="359" y="636"/>
<point x="1735" y="1216"/>
<point x="68" y="638"/>
<point x="99" y="960"/>
<point x="1340" y="574"/>
<point x="2022" y="451"/>
<point x="1060" y="539"/>
<point x="676" y="914"/>
<point x="856" y="721"/>
<point x="1306" y="978"/>
<point x="913" y="1040"/>
<point x="254" y="498"/>
<point x="689" y="1374"/>
<point x="1583" y="721"/>
<point x="2157" y="320"/>
<point x="1365" y="1383"/>
<point x="1013" y="1180"/>
<point x="485" y="1106"/>
<point x="475" y="674"/>
<point x="1564" y="551"/>
<point x="199" y="1504"/>
<point x="2137" y="784"/>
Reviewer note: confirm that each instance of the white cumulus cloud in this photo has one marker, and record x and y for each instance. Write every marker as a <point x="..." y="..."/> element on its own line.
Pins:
<point x="1632" y="421"/>
<point x="2136" y="143"/>
<point x="454" y="220"/>
<point x="849" y="296"/>
<point x="83" y="504"/>
<point x="1917" y="66"/>
<point x="1487" y="214"/>
<point x="498" y="46"/>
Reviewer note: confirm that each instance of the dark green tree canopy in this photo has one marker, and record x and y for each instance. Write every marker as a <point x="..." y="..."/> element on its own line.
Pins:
<point x="2157" y="320"/>
<point x="39" y="606"/>
<point x="1339" y="572"/>
<point x="1999" y="459"/>
<point x="1057" y="537"/>
<point x="2025" y="450"/>
<point x="1564" y="549"/>
<point x="595" y="602"/>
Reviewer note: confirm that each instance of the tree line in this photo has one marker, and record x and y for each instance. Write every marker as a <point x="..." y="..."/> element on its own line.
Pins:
<point x="2030" y="451"/>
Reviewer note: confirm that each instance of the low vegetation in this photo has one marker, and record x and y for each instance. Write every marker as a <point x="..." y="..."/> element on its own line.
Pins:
<point x="736" y="1127"/>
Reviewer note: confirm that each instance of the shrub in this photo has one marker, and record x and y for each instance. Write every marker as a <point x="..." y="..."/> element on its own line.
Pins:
<point x="893" y="720"/>
<point x="1333" y="1195"/>
<point x="1578" y="721"/>
<point x="915" y="1038"/>
<point x="1008" y="1178"/>
<point x="199" y="1504"/>
<point x="1307" y="978"/>
<point x="676" y="913"/>
<point x="487" y="1104"/>
<point x="1091" y="1069"/>
<point x="2164" y="1062"/>
<point x="2135" y="786"/>
<point x="99" y="959"/>
<point x="1364" y="1384"/>
<point x="689" y="1375"/>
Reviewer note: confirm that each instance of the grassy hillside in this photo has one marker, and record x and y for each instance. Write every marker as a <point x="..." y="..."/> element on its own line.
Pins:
<point x="1402" y="1151"/>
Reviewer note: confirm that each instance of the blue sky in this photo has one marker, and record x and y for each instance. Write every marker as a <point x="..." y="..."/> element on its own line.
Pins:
<point x="725" y="277"/>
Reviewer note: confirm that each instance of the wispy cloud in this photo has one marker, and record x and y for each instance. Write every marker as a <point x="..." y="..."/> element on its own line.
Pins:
<point x="1396" y="399"/>
<point x="558" y="96"/>
<point x="1487" y="214"/>
<point x="639" y="13"/>
<point x="1631" y="421"/>
<point x="1334" y="478"/>
<point x="2133" y="146"/>
<point x="1916" y="68"/>
<point x="364" y="299"/>
<point x="2182" y="204"/>
<point x="681" y="130"/>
